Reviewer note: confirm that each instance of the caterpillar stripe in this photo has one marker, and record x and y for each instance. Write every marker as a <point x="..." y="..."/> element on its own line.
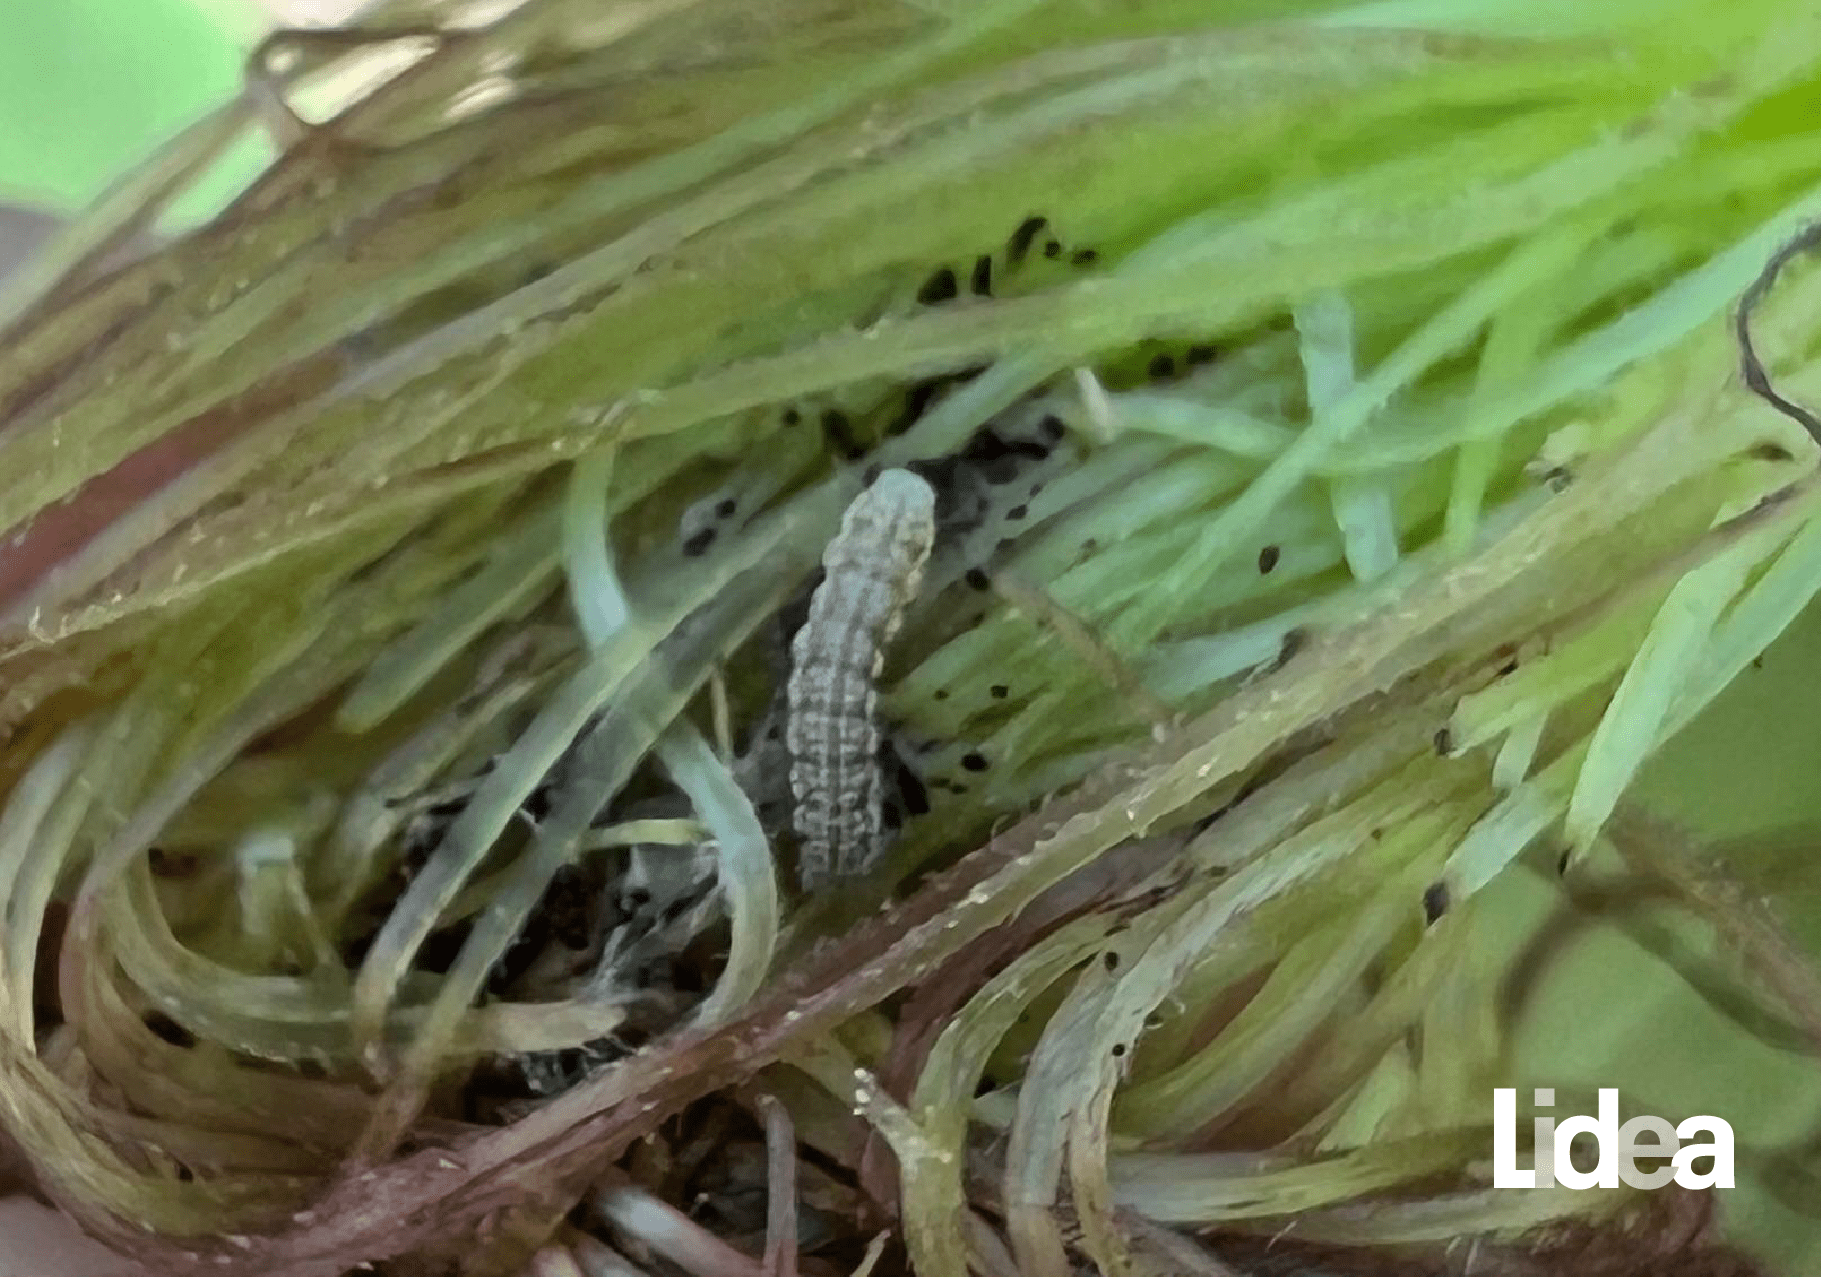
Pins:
<point x="873" y="568"/>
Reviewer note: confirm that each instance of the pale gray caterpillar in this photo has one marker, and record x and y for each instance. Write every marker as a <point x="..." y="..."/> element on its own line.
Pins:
<point x="873" y="568"/>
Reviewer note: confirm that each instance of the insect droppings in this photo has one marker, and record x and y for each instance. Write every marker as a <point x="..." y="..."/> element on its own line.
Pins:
<point x="940" y="287"/>
<point x="1435" y="902"/>
<point x="980" y="281"/>
<point x="1020" y="245"/>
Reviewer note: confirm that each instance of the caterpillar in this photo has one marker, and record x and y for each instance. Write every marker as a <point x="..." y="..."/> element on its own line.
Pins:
<point x="873" y="568"/>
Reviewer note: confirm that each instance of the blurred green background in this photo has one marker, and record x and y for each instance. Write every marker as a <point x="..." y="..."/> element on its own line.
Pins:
<point x="89" y="86"/>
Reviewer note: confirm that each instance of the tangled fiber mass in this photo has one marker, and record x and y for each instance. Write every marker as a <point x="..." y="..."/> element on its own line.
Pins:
<point x="1340" y="481"/>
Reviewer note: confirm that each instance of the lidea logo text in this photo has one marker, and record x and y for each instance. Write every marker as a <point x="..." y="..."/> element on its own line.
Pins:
<point x="1618" y="1147"/>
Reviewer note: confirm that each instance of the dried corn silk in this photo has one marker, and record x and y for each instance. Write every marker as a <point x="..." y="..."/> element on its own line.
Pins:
<point x="873" y="568"/>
